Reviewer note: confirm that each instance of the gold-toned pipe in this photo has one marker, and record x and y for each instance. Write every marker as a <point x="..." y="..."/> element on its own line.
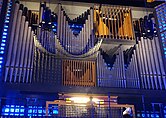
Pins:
<point x="109" y="23"/>
<point x="94" y="73"/>
<point x="117" y="19"/>
<point x="121" y="22"/>
<point x="113" y="24"/>
<point x="131" y="26"/>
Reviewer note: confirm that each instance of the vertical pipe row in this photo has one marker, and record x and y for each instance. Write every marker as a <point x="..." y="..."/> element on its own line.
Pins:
<point x="20" y="50"/>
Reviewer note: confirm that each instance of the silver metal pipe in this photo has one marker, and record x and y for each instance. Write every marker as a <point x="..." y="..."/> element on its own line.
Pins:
<point x="92" y="25"/>
<point x="15" y="44"/>
<point x="26" y="54"/>
<point x="152" y="64"/>
<point x="148" y="61"/>
<point x="64" y="31"/>
<point x="142" y="68"/>
<point x="8" y="61"/>
<point x="22" y="50"/>
<point x="134" y="72"/>
<point x="30" y="55"/>
<point x="41" y="13"/>
<point x="145" y="61"/>
<point x="156" y="60"/>
<point x="136" y="69"/>
<point x="20" y="45"/>
<point x="59" y="21"/>
<point x="161" y="63"/>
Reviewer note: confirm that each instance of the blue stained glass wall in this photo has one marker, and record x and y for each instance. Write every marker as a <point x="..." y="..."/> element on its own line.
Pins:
<point x="161" y="17"/>
<point x="20" y="110"/>
<point x="4" y="35"/>
<point x="13" y="110"/>
<point x="149" y="114"/>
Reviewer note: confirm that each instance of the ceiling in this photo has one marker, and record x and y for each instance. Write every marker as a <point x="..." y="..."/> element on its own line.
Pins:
<point x="136" y="3"/>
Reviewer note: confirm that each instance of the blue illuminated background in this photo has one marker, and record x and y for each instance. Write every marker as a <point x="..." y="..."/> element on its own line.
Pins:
<point x="161" y="16"/>
<point x="4" y="36"/>
<point x="20" y="110"/>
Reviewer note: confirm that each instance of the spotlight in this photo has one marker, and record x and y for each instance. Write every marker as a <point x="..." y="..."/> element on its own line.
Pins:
<point x="49" y="23"/>
<point x="43" y="22"/>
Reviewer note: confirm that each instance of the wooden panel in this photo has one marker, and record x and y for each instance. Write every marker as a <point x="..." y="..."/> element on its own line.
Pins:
<point x="79" y="73"/>
<point x="113" y="22"/>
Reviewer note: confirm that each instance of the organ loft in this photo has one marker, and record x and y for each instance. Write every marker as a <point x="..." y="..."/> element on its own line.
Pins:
<point x="75" y="59"/>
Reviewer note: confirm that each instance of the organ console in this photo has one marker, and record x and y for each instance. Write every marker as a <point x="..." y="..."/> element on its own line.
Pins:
<point x="48" y="47"/>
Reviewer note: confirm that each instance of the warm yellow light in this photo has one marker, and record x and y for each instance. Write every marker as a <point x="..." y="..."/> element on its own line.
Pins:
<point x="85" y="100"/>
<point x="80" y="99"/>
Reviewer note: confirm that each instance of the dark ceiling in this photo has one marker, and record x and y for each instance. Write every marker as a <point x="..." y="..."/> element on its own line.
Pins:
<point x="135" y="3"/>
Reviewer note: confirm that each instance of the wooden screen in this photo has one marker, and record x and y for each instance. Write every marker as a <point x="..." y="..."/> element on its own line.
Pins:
<point x="79" y="73"/>
<point x="113" y="22"/>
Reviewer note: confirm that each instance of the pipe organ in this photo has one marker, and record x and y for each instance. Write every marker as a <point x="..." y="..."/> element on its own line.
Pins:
<point x="49" y="47"/>
<point x="113" y="22"/>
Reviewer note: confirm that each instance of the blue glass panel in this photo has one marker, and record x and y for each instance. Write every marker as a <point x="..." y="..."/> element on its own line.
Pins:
<point x="30" y="111"/>
<point x="1" y="52"/>
<point x="12" y="110"/>
<point x="21" y="110"/>
<point x="143" y="115"/>
<point x="6" y="109"/>
<point x="55" y="111"/>
<point x="39" y="111"/>
<point x="6" y="114"/>
<point x="16" y="110"/>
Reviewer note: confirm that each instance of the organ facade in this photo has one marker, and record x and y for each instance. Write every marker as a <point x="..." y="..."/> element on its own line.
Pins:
<point x="103" y="51"/>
